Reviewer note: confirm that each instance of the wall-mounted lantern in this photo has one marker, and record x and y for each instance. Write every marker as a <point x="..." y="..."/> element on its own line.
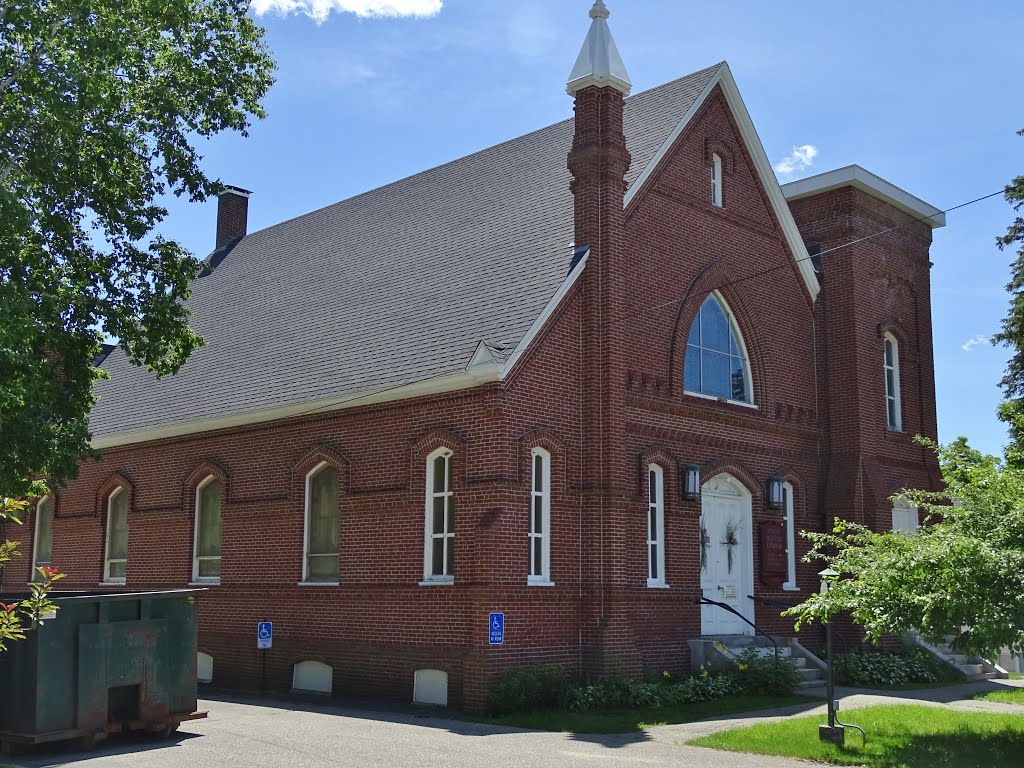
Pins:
<point x="691" y="482"/>
<point x="773" y="495"/>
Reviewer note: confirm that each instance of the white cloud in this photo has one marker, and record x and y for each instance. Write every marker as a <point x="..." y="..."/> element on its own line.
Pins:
<point x="321" y="9"/>
<point x="970" y="344"/>
<point x="800" y="159"/>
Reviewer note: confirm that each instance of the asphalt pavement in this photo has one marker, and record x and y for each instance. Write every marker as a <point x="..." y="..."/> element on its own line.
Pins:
<point x="245" y="732"/>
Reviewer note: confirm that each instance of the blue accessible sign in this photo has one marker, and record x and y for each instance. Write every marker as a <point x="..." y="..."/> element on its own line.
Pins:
<point x="264" y="635"/>
<point x="496" y="628"/>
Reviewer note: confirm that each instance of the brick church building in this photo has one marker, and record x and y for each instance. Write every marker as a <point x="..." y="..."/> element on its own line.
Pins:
<point x="583" y="379"/>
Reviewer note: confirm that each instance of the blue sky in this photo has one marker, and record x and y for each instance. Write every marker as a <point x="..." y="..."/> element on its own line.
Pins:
<point x="925" y="94"/>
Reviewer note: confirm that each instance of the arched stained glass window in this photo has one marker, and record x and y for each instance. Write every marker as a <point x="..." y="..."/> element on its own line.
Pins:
<point x="716" y="360"/>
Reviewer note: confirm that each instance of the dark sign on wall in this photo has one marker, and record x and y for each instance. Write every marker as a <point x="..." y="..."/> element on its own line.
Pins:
<point x="774" y="560"/>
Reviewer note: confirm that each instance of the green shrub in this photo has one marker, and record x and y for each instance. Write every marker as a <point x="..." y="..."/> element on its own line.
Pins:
<point x="765" y="675"/>
<point x="525" y="689"/>
<point x="909" y="666"/>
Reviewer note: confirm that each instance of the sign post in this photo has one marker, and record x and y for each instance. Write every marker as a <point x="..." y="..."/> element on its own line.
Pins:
<point x="264" y="640"/>
<point x="496" y="628"/>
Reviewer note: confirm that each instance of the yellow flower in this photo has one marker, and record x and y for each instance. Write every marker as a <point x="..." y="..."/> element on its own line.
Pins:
<point x="742" y="667"/>
<point x="665" y="674"/>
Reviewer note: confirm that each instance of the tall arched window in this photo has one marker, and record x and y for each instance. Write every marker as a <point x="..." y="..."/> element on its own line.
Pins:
<point x="115" y="567"/>
<point x="439" y="556"/>
<point x="206" y="559"/>
<point x="540" y="518"/>
<point x="891" y="367"/>
<point x="716" y="359"/>
<point x="43" y="549"/>
<point x="655" y="526"/>
<point x="322" y="525"/>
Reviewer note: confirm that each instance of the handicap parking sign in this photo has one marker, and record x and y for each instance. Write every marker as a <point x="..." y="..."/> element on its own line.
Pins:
<point x="264" y="635"/>
<point x="496" y="628"/>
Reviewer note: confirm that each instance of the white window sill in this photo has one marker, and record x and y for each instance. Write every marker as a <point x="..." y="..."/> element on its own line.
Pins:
<point x="319" y="584"/>
<point x="539" y="582"/>
<point x="657" y="584"/>
<point x="790" y="588"/>
<point x="209" y="583"/>
<point x="113" y="582"/>
<point x="725" y="400"/>
<point x="437" y="583"/>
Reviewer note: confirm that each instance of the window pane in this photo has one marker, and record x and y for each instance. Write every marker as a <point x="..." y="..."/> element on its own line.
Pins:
<point x="653" y="484"/>
<point x="890" y="382"/>
<point x="44" y="532"/>
<point x="209" y="520"/>
<point x="537" y="569"/>
<point x="889" y="356"/>
<point x="654" y="561"/>
<point x="891" y="408"/>
<point x="321" y="568"/>
<point x="209" y="568"/>
<point x="323" y="512"/>
<point x="538" y="473"/>
<point x="538" y="514"/>
<point x="450" y="547"/>
<point x="691" y="370"/>
<point x="118" y="570"/>
<point x="118" y="523"/>
<point x="437" y="557"/>
<point x="714" y="326"/>
<point x="440" y="475"/>
<point x="695" y="331"/>
<point x="652" y="524"/>
<point x="451" y="516"/>
<point x="739" y="381"/>
<point x="438" y="524"/>
<point x="715" y="375"/>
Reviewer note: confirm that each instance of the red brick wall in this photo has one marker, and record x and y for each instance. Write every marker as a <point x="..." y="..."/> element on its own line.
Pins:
<point x="601" y="390"/>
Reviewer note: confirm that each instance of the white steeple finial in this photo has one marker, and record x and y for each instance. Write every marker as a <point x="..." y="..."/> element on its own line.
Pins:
<point x="599" y="62"/>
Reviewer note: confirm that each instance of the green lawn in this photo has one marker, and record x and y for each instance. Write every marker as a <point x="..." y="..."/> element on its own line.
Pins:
<point x="629" y="720"/>
<point x="1005" y="696"/>
<point x="1017" y="675"/>
<point x="907" y="736"/>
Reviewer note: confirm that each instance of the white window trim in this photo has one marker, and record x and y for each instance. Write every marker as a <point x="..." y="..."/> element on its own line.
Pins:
<point x="107" y="578"/>
<point x="716" y="181"/>
<point x="35" y="540"/>
<point x="790" y="585"/>
<point x="659" y="510"/>
<point x="902" y="505"/>
<point x="734" y="327"/>
<point x="196" y="578"/>
<point x="429" y="578"/>
<point x="544" y="578"/>
<point x="305" y="534"/>
<point x="894" y="396"/>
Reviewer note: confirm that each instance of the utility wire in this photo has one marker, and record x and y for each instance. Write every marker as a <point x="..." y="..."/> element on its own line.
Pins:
<point x="656" y="307"/>
<point x="786" y="265"/>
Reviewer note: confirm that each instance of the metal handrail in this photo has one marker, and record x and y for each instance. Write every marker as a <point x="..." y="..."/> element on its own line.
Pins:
<point x="757" y="629"/>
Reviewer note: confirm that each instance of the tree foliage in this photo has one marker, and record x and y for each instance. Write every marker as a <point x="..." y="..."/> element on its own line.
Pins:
<point x="964" y="567"/>
<point x="101" y="105"/>
<point x="1012" y="332"/>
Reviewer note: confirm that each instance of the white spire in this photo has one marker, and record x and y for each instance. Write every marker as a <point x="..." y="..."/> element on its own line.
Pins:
<point x="599" y="62"/>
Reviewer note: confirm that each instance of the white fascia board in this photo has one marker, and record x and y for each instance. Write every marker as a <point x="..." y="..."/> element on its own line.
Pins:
<point x="762" y="167"/>
<point x="867" y="182"/>
<point x="549" y="309"/>
<point x="432" y="386"/>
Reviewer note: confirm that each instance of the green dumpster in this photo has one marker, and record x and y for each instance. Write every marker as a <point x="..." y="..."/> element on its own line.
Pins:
<point x="106" y="663"/>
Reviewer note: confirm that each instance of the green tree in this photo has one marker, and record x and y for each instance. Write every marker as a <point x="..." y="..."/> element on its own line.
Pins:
<point x="102" y="104"/>
<point x="964" y="567"/>
<point x="1012" y="333"/>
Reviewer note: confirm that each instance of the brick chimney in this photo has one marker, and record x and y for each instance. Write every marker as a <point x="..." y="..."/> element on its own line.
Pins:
<point x="232" y="214"/>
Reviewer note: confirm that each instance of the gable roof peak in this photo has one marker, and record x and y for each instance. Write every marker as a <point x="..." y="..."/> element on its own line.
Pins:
<point x="599" y="62"/>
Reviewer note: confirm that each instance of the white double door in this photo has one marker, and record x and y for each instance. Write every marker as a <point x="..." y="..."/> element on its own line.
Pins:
<point x="727" y="567"/>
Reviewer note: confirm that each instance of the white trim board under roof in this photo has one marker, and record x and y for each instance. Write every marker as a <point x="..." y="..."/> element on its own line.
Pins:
<point x="867" y="182"/>
<point x="762" y="166"/>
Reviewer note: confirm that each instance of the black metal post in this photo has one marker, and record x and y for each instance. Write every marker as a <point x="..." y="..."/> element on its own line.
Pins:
<point x="830" y="686"/>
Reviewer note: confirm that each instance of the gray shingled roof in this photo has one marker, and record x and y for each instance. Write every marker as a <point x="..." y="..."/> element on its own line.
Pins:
<point x="392" y="286"/>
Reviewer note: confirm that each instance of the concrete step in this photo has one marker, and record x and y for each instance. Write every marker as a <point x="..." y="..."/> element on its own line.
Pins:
<point x="809" y="673"/>
<point x="971" y="670"/>
<point x="817" y="683"/>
